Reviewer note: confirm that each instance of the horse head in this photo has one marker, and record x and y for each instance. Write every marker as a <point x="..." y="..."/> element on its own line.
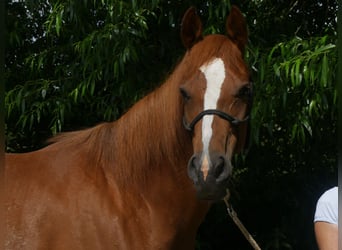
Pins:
<point x="216" y="97"/>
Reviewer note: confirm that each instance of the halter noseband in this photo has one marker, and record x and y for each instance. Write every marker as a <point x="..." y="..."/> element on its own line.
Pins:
<point x="231" y="119"/>
<point x="234" y="121"/>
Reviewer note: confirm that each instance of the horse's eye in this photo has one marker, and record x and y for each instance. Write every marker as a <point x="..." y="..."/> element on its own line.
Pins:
<point x="245" y="92"/>
<point x="184" y="94"/>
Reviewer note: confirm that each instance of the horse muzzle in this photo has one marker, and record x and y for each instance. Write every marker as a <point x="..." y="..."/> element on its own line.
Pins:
<point x="210" y="174"/>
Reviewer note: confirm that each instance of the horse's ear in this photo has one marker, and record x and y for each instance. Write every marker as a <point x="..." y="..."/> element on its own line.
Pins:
<point x="191" y="28"/>
<point x="237" y="28"/>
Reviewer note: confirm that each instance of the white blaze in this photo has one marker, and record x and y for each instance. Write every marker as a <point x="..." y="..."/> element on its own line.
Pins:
<point x="215" y="74"/>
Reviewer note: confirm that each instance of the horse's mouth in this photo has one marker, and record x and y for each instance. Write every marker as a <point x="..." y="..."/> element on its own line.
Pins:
<point x="211" y="197"/>
<point x="211" y="191"/>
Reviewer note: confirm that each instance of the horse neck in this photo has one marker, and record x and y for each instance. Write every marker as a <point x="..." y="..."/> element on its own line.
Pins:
<point x="151" y="136"/>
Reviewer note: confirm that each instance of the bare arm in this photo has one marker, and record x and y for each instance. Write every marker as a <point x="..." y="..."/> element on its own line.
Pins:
<point x="326" y="235"/>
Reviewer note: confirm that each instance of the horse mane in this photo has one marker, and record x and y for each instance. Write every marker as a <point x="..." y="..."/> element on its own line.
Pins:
<point x="150" y="134"/>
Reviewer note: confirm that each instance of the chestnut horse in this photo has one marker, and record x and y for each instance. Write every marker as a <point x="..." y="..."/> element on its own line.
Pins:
<point x="147" y="180"/>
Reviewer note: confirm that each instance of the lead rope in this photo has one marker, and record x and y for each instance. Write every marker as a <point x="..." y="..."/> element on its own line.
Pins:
<point x="237" y="222"/>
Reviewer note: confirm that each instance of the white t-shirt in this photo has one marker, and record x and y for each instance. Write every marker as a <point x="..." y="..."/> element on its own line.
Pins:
<point x="327" y="207"/>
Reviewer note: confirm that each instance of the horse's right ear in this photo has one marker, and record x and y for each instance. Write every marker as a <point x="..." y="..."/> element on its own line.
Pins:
<point x="237" y="28"/>
<point x="191" y="28"/>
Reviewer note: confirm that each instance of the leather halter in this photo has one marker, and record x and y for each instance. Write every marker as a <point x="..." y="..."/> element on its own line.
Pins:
<point x="231" y="119"/>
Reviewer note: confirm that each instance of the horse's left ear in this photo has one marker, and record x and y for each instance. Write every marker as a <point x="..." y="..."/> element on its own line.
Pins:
<point x="237" y="28"/>
<point x="191" y="28"/>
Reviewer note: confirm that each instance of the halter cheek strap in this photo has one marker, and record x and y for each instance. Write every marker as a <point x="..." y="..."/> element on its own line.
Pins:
<point x="234" y="121"/>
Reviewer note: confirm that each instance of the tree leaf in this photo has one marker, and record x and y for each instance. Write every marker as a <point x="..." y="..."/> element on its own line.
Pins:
<point x="324" y="71"/>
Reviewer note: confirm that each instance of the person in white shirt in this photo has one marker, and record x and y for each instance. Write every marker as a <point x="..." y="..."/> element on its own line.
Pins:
<point x="326" y="220"/>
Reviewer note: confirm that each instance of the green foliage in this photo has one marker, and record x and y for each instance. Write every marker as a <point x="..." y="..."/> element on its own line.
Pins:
<point x="90" y="49"/>
<point x="295" y="87"/>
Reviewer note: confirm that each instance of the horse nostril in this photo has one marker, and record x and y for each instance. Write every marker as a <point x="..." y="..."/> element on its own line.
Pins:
<point x="222" y="170"/>
<point x="192" y="165"/>
<point x="219" y="167"/>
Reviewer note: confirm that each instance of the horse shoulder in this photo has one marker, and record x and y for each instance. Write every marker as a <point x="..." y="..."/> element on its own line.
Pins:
<point x="72" y="207"/>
